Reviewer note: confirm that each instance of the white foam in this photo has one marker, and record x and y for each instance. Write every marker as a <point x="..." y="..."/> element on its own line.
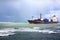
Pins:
<point x="42" y="31"/>
<point x="10" y="31"/>
<point x="7" y="31"/>
<point x="36" y="30"/>
<point x="47" y="31"/>
<point x="6" y="34"/>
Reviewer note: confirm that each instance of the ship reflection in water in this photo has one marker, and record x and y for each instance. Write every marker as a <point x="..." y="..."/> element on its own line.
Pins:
<point x="43" y="20"/>
<point x="30" y="33"/>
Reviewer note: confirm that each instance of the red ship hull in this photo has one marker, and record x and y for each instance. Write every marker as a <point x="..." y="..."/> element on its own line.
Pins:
<point x="41" y="22"/>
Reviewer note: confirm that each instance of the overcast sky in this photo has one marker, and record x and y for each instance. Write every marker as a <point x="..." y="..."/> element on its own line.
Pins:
<point x="22" y="10"/>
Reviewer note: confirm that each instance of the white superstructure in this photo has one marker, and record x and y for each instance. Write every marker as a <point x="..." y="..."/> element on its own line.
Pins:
<point x="54" y="18"/>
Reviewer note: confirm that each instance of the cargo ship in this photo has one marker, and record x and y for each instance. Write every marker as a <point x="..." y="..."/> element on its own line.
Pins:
<point x="52" y="20"/>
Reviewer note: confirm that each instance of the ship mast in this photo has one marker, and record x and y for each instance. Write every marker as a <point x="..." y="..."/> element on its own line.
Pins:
<point x="40" y="15"/>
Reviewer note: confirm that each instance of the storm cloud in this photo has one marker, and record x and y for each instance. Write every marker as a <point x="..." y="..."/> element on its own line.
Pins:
<point x="22" y="10"/>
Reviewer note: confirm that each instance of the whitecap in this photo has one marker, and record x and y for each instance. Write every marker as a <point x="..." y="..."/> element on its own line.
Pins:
<point x="6" y="34"/>
<point x="7" y="31"/>
<point x="37" y="30"/>
<point x="11" y="31"/>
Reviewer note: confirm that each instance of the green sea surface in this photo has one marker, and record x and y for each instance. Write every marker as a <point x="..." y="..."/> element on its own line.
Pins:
<point x="26" y="31"/>
<point x="18" y="24"/>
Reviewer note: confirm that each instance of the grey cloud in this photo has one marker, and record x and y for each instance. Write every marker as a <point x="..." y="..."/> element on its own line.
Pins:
<point x="22" y="10"/>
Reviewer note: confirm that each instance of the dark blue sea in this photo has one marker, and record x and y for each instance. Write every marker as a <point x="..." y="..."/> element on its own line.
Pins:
<point x="30" y="33"/>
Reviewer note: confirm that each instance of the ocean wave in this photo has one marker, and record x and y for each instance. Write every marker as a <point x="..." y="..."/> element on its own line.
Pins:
<point x="6" y="34"/>
<point x="11" y="31"/>
<point x="36" y="29"/>
<point x="7" y="31"/>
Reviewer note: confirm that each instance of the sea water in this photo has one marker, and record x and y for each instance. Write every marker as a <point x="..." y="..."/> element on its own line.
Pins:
<point x="30" y="32"/>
